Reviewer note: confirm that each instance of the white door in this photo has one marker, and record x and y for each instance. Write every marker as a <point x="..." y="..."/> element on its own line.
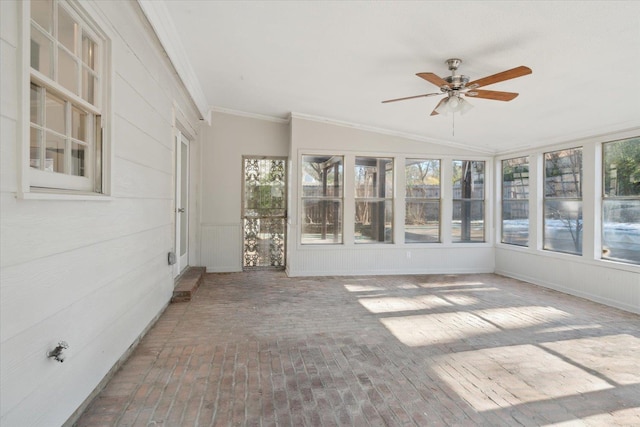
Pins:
<point x="182" y="204"/>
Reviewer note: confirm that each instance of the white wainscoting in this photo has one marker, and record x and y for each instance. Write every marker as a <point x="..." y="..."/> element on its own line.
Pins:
<point x="597" y="281"/>
<point x="221" y="247"/>
<point x="363" y="260"/>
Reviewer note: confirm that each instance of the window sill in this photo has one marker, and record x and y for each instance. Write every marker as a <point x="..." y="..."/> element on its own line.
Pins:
<point x="62" y="195"/>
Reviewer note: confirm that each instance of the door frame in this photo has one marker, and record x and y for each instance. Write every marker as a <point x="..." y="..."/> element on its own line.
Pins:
<point x="285" y="159"/>
<point x="181" y="213"/>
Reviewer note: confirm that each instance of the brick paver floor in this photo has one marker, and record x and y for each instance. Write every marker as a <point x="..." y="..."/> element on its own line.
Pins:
<point x="262" y="349"/>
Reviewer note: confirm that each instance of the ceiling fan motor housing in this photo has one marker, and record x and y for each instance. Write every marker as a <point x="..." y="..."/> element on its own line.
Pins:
<point x="457" y="82"/>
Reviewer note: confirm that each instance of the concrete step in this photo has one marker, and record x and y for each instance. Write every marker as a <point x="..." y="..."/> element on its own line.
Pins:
<point x="187" y="284"/>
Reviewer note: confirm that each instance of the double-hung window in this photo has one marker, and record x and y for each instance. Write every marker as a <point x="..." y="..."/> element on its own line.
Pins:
<point x="468" y="201"/>
<point x="66" y="99"/>
<point x="563" y="201"/>
<point x="515" y="201"/>
<point x="422" y="201"/>
<point x="322" y="183"/>
<point x="621" y="200"/>
<point x="374" y="200"/>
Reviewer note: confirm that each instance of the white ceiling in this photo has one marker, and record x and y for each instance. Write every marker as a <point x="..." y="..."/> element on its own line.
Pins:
<point x="340" y="59"/>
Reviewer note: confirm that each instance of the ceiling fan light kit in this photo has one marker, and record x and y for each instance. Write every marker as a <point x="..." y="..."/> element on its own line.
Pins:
<point x="456" y="85"/>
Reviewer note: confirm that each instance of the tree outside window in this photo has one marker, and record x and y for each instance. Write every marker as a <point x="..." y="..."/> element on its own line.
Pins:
<point x="621" y="201"/>
<point x="374" y="200"/>
<point x="563" y="201"/>
<point x="468" y="201"/>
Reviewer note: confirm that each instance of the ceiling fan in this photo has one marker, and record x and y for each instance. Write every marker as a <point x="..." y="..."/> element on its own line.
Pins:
<point x="454" y="86"/>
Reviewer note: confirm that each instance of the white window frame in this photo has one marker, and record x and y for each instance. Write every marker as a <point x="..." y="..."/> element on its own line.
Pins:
<point x="34" y="183"/>
<point x="503" y="199"/>
<point x="423" y="200"/>
<point x="377" y="198"/>
<point x="323" y="198"/>
<point x="546" y="199"/>
<point x="461" y="200"/>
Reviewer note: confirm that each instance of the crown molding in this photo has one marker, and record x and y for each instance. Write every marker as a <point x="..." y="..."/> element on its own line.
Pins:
<point x="162" y="24"/>
<point x="232" y="112"/>
<point x="389" y="132"/>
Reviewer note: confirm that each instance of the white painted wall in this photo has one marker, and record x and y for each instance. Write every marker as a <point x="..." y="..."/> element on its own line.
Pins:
<point x="229" y="137"/>
<point x="92" y="273"/>
<point x="588" y="276"/>
<point x="313" y="136"/>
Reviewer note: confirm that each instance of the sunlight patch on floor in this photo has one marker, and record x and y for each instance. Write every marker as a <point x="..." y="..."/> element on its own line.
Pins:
<point x="521" y="316"/>
<point x="500" y="377"/>
<point x="396" y="304"/>
<point x="363" y="288"/>
<point x="598" y="353"/>
<point x="436" y="328"/>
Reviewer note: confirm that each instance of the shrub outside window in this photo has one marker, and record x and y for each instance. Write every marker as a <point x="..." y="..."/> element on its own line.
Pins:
<point x="515" y="201"/>
<point x="65" y="99"/>
<point x="374" y="200"/>
<point x="468" y="201"/>
<point x="322" y="196"/>
<point x="422" y="201"/>
<point x="621" y="201"/>
<point x="563" y="201"/>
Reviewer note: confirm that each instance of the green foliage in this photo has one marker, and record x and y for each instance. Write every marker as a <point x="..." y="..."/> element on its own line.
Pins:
<point x="622" y="167"/>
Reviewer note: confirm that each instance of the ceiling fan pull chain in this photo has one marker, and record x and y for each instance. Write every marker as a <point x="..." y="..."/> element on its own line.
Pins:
<point x="453" y="124"/>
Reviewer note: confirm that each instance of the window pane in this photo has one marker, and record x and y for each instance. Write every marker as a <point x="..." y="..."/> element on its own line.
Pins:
<point x="41" y="53"/>
<point x="621" y="230"/>
<point x="373" y="221"/>
<point x="89" y="51"/>
<point x="55" y="114"/>
<point x="42" y="13"/>
<point x="563" y="173"/>
<point x="322" y="221"/>
<point x="468" y="179"/>
<point x="515" y="203"/>
<point x="67" y="30"/>
<point x="35" y="148"/>
<point x="422" y="222"/>
<point x="67" y="71"/>
<point x="468" y="221"/>
<point x="322" y="176"/>
<point x="78" y="155"/>
<point x="515" y="222"/>
<point x="622" y="168"/>
<point x="422" y="178"/>
<point x="54" y="153"/>
<point x="89" y="84"/>
<point x="78" y="124"/>
<point x="36" y="113"/>
<point x="563" y="226"/>
<point x="515" y="178"/>
<point x="373" y="177"/>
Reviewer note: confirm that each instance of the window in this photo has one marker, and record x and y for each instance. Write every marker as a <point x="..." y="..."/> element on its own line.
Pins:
<point x="563" y="201"/>
<point x="374" y="200"/>
<point x="515" y="201"/>
<point x="621" y="201"/>
<point x="422" y="201"/>
<point x="322" y="183"/>
<point x="66" y="105"/>
<point x="468" y="201"/>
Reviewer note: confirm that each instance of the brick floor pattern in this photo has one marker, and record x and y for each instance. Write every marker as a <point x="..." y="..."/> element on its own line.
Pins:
<point x="262" y="349"/>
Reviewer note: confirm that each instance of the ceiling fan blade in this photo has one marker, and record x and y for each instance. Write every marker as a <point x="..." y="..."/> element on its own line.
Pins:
<point x="411" y="97"/>
<point x="434" y="112"/>
<point x="491" y="94"/>
<point x="499" y="77"/>
<point x="432" y="78"/>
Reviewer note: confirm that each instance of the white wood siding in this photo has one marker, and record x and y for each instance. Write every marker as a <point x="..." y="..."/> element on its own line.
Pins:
<point x="92" y="273"/>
